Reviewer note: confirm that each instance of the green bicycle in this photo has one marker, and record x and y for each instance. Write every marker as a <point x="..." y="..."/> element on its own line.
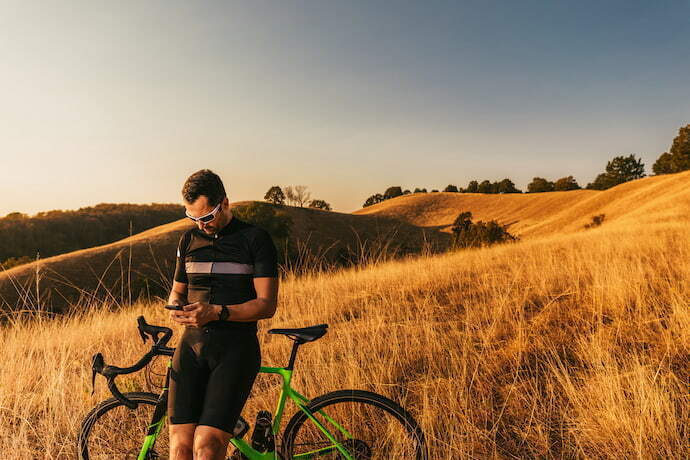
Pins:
<point x="344" y="424"/>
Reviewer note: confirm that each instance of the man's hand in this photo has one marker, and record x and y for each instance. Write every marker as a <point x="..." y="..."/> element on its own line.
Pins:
<point x="195" y="314"/>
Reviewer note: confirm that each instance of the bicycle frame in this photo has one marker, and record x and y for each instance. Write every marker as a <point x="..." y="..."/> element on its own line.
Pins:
<point x="287" y="392"/>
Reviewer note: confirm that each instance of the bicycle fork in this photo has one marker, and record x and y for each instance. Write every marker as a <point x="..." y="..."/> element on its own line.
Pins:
<point x="158" y="419"/>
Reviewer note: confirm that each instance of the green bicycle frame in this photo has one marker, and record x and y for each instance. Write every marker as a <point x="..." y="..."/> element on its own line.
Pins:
<point x="243" y="446"/>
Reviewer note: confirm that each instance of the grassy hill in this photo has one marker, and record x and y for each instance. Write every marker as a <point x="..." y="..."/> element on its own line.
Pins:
<point x="569" y="345"/>
<point x="648" y="200"/>
<point x="108" y="273"/>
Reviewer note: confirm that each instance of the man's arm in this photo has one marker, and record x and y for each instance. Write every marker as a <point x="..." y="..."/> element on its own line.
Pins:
<point x="264" y="306"/>
<point x="178" y="294"/>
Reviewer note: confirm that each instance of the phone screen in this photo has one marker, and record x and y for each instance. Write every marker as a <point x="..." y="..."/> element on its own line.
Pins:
<point x="174" y="307"/>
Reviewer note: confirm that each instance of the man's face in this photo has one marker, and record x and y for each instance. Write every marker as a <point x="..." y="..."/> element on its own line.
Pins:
<point x="200" y="208"/>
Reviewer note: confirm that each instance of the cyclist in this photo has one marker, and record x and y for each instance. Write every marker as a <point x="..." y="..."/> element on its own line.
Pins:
<point x="226" y="279"/>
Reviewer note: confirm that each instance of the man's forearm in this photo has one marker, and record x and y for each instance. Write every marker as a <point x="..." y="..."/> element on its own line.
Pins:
<point x="177" y="298"/>
<point x="252" y="310"/>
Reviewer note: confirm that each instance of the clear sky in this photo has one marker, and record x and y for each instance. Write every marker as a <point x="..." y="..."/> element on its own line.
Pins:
<point x="121" y="101"/>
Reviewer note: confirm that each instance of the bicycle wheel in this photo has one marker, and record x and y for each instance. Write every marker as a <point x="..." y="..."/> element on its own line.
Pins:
<point x="111" y="430"/>
<point x="368" y="425"/>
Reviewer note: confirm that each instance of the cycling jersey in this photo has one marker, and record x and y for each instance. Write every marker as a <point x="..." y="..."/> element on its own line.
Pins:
<point x="214" y="366"/>
<point x="220" y="268"/>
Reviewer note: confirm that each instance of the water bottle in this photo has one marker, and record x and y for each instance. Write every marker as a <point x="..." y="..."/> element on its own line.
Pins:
<point x="262" y="436"/>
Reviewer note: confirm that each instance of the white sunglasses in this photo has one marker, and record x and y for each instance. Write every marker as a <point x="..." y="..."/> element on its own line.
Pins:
<point x="206" y="218"/>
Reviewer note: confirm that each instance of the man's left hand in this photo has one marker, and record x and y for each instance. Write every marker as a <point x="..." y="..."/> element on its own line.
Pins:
<point x="195" y="314"/>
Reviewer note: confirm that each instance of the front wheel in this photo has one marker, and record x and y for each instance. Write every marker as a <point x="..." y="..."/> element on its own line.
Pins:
<point x="111" y="430"/>
<point x="366" y="425"/>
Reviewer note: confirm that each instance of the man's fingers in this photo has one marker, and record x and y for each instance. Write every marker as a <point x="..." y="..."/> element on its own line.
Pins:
<point x="191" y="306"/>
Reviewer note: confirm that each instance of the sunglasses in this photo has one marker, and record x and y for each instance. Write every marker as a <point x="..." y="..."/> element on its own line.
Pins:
<point x="206" y="218"/>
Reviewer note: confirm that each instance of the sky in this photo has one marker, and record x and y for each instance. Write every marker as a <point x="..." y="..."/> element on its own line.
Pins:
<point x="121" y="101"/>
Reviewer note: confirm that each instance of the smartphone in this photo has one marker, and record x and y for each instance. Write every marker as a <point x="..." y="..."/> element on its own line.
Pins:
<point x="174" y="307"/>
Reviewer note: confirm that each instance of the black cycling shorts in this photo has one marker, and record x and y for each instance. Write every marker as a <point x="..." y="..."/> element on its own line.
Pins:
<point x="213" y="370"/>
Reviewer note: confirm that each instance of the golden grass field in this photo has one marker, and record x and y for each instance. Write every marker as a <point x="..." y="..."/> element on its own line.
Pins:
<point x="573" y="345"/>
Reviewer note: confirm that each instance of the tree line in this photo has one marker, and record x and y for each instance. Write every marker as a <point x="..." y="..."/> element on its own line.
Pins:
<point x="57" y="232"/>
<point x="618" y="170"/>
<point x="297" y="195"/>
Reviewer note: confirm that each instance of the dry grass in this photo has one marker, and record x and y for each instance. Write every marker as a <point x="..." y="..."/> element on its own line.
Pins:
<point x="564" y="347"/>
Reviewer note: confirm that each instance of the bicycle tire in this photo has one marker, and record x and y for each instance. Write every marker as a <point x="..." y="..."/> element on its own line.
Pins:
<point x="410" y="425"/>
<point x="100" y="410"/>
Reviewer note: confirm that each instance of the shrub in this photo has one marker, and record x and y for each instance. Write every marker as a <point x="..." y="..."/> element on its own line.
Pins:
<point x="470" y="234"/>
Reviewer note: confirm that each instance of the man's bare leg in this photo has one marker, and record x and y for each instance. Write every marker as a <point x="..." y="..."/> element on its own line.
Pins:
<point x="182" y="441"/>
<point x="210" y="443"/>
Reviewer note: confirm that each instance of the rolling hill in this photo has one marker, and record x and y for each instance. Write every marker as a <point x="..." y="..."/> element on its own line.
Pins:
<point x="115" y="272"/>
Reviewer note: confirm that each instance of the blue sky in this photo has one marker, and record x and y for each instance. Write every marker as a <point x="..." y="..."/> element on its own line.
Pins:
<point x="121" y="101"/>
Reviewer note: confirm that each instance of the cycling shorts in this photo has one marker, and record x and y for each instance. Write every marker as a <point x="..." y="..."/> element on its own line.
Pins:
<point x="213" y="370"/>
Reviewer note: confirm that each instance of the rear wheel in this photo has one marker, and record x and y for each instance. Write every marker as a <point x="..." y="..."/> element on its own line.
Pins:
<point x="111" y="430"/>
<point x="369" y="426"/>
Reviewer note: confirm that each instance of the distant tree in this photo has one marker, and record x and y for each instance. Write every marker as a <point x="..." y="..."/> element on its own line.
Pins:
<point x="539" y="185"/>
<point x="472" y="187"/>
<point x="320" y="204"/>
<point x="434" y="191"/>
<point x="450" y="188"/>
<point x="275" y="195"/>
<point x="419" y="190"/>
<point x="469" y="234"/>
<point x="619" y="170"/>
<point x="485" y="187"/>
<point x="596" y="221"/>
<point x="297" y="195"/>
<point x="565" y="184"/>
<point x="664" y="164"/>
<point x="392" y="192"/>
<point x="406" y="192"/>
<point x="373" y="199"/>
<point x="678" y="157"/>
<point x="506" y="186"/>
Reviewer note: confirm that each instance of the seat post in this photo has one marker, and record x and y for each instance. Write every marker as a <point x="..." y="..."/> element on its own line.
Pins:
<point x="293" y="354"/>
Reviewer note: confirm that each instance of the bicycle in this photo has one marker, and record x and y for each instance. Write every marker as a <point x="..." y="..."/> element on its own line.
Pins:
<point x="326" y="426"/>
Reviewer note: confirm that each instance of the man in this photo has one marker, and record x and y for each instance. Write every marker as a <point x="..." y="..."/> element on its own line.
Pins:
<point x="226" y="279"/>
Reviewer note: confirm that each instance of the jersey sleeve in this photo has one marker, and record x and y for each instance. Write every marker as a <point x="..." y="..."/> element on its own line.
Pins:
<point x="180" y="271"/>
<point x="265" y="255"/>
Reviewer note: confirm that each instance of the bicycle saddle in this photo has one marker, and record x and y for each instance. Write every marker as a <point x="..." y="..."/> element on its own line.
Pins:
<point x="304" y="334"/>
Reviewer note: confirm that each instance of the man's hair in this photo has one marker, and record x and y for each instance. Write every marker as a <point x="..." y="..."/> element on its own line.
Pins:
<point x="204" y="182"/>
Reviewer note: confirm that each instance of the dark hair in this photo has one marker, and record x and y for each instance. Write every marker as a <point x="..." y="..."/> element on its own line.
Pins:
<point x="204" y="182"/>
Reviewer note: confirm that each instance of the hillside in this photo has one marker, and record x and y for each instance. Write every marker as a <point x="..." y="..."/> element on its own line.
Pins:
<point x="58" y="232"/>
<point x="103" y="273"/>
<point x="117" y="272"/>
<point x="569" y="346"/>
<point x="648" y="200"/>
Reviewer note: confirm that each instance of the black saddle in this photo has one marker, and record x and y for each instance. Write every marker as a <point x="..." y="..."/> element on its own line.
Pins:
<point x="304" y="334"/>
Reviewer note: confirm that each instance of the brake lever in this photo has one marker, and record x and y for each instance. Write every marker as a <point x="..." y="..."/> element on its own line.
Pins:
<point x="96" y="368"/>
<point x="140" y="328"/>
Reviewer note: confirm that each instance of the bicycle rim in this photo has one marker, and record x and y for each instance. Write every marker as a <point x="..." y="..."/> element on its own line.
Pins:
<point x="111" y="430"/>
<point x="367" y="425"/>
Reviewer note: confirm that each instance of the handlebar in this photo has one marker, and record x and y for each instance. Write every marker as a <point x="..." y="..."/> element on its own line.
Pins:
<point x="159" y="335"/>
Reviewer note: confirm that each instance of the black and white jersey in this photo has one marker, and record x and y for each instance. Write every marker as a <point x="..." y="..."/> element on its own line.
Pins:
<point x="220" y="268"/>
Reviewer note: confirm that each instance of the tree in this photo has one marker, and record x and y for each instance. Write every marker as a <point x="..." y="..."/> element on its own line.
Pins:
<point x="485" y="187"/>
<point x="472" y="187"/>
<point x="619" y="170"/>
<point x="566" y="183"/>
<point x="373" y="199"/>
<point x="419" y="190"/>
<point x="320" y="204"/>
<point x="392" y="192"/>
<point x="450" y="188"/>
<point x="678" y="157"/>
<point x="297" y="195"/>
<point x="506" y="186"/>
<point x="406" y="192"/>
<point x="275" y="195"/>
<point x="539" y="185"/>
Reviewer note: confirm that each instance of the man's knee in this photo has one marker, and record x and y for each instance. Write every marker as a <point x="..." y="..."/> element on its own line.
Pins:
<point x="210" y="443"/>
<point x="182" y="441"/>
